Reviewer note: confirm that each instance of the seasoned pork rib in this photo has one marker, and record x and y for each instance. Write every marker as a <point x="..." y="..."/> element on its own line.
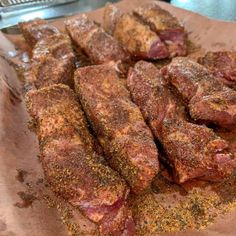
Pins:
<point x="52" y="62"/>
<point x="193" y="151"/>
<point x="99" y="46"/>
<point x="166" y="26"/>
<point x="71" y="164"/>
<point x="119" y="125"/>
<point x="137" y="38"/>
<point x="223" y="66"/>
<point x="208" y="100"/>
<point x="35" y="30"/>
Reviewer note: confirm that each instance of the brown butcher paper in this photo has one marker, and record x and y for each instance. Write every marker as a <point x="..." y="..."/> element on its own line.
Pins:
<point x="27" y="206"/>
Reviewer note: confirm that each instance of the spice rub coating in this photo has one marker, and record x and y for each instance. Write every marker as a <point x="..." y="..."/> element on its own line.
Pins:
<point x="223" y="66"/>
<point x="193" y="151"/>
<point x="119" y="125"/>
<point x="140" y="41"/>
<point x="99" y="46"/>
<point x="71" y="164"/>
<point x="208" y="100"/>
<point x="52" y="62"/>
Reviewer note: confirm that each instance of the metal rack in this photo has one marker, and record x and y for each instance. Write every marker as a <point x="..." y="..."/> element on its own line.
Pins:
<point x="9" y="7"/>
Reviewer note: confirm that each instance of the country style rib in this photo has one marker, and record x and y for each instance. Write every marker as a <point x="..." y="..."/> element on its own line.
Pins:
<point x="36" y="29"/>
<point x="71" y="164"/>
<point x="52" y="62"/>
<point x="140" y="41"/>
<point x="99" y="46"/>
<point x="208" y="100"/>
<point x="166" y="26"/>
<point x="223" y="66"/>
<point x="193" y="151"/>
<point x="119" y="125"/>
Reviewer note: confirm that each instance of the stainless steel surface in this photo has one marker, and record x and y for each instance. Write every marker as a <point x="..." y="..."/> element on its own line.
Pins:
<point x="20" y="6"/>
<point x="7" y="3"/>
<point x="54" y="12"/>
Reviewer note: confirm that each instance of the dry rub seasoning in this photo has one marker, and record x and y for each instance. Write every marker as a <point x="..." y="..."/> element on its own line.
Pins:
<point x="171" y="208"/>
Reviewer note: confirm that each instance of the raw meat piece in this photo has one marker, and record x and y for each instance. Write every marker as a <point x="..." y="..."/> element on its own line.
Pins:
<point x="119" y="125"/>
<point x="223" y="66"/>
<point x="71" y="164"/>
<point x="140" y="41"/>
<point x="208" y="100"/>
<point x="99" y="46"/>
<point x="193" y="151"/>
<point x="37" y="29"/>
<point x="52" y="62"/>
<point x="166" y="26"/>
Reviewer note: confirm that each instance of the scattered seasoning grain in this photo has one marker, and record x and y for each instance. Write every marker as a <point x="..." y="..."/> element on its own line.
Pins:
<point x="21" y="175"/>
<point x="171" y="211"/>
<point x="192" y="47"/>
